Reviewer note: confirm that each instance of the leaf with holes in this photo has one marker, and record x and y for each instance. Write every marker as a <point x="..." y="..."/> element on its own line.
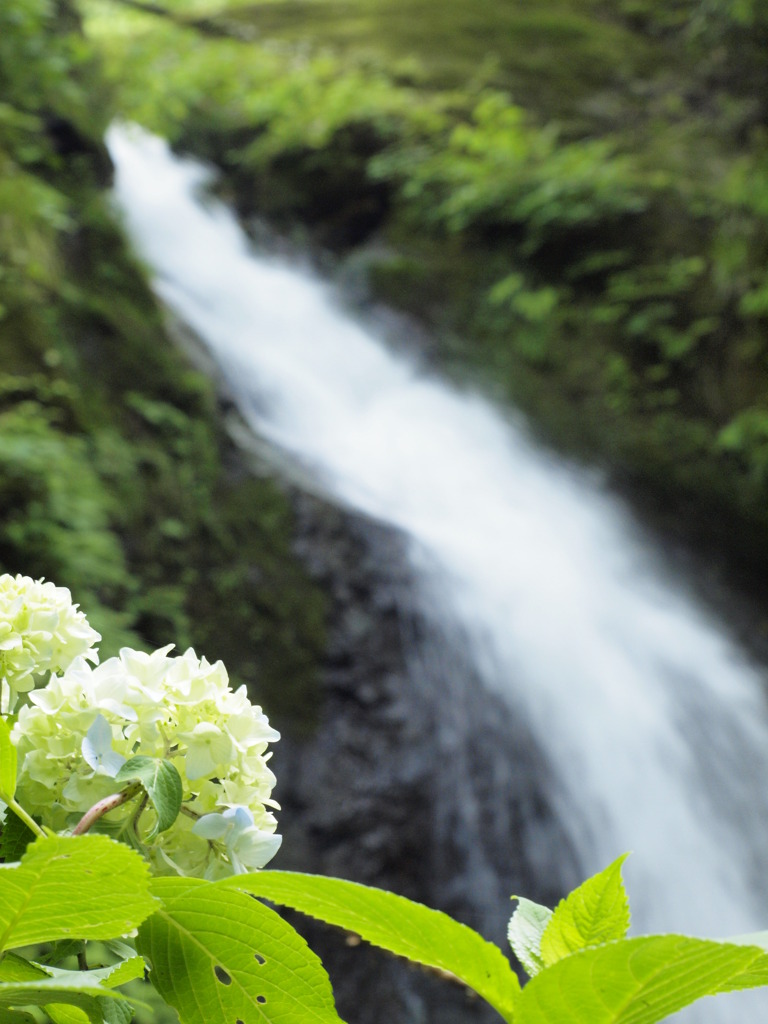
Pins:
<point x="638" y="981"/>
<point x="87" y="887"/>
<point x="162" y="783"/>
<point x="396" y="924"/>
<point x="219" y="957"/>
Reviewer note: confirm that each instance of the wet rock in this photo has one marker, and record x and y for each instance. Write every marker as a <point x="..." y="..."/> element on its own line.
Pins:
<point x="417" y="780"/>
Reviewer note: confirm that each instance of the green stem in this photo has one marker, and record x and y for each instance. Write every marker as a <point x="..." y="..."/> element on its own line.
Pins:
<point x="21" y="813"/>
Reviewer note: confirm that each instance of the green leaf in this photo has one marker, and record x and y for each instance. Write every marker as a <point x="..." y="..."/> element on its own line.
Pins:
<point x="17" y="836"/>
<point x="596" y="912"/>
<point x="114" y="1012"/>
<point x="17" y="968"/>
<point x="17" y="1017"/>
<point x="58" y="952"/>
<point x="111" y="976"/>
<point x="7" y="763"/>
<point x="526" y="927"/>
<point x="73" y="886"/>
<point x="162" y="782"/>
<point x="219" y="956"/>
<point x="396" y="924"/>
<point x="50" y="991"/>
<point x="60" y="1013"/>
<point x="638" y="981"/>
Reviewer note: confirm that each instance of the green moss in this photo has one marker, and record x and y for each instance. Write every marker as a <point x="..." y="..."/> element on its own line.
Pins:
<point x="116" y="479"/>
<point x="572" y="196"/>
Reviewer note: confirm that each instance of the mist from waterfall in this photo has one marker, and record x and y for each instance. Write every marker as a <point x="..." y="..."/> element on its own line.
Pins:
<point x="653" y="721"/>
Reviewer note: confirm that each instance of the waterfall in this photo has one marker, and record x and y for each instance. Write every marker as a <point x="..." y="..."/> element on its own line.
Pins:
<point x="653" y="720"/>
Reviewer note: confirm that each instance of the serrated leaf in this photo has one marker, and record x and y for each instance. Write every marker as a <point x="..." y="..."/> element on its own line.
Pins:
<point x="17" y="836"/>
<point x="7" y="763"/>
<point x="73" y="886"/>
<point x="597" y="911"/>
<point x="17" y="968"/>
<point x="394" y="923"/>
<point x="162" y="782"/>
<point x="219" y="956"/>
<point x="51" y="991"/>
<point x="111" y="976"/>
<point x="112" y="1011"/>
<point x="638" y="981"/>
<point x="526" y="927"/>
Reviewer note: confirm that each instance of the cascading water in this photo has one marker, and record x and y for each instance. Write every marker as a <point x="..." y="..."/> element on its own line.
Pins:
<point x="653" y="721"/>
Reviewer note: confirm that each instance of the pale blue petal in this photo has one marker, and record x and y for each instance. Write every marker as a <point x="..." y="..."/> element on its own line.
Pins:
<point x="211" y="826"/>
<point x="240" y="816"/>
<point x="97" y="742"/>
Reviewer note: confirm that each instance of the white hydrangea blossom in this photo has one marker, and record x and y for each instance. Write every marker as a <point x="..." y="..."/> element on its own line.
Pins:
<point x="41" y="631"/>
<point x="76" y="732"/>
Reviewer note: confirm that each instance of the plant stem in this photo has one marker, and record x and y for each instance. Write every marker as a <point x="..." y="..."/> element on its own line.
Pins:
<point x="28" y="821"/>
<point x="109" y="803"/>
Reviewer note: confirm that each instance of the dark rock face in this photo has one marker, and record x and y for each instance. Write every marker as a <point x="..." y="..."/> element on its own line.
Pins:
<point x="417" y="780"/>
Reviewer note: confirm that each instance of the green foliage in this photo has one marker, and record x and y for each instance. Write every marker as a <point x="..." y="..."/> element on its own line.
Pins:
<point x="502" y="169"/>
<point x="572" y="195"/>
<point x="218" y="956"/>
<point x="746" y="439"/>
<point x="640" y="980"/>
<point x="8" y="764"/>
<point x="395" y="924"/>
<point x="596" y="912"/>
<point x="84" y="886"/>
<point x="216" y="953"/>
<point x="161" y="782"/>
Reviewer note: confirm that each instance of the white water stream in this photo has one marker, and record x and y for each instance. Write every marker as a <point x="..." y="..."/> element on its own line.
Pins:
<point x="654" y="722"/>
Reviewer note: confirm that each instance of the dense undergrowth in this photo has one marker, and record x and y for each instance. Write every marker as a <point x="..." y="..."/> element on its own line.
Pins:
<point x="573" y="196"/>
<point x="116" y="478"/>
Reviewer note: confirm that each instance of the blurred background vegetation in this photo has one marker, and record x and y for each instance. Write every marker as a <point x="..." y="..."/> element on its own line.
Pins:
<point x="571" y="195"/>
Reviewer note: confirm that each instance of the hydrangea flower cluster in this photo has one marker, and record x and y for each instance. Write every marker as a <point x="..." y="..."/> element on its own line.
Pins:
<point x="41" y="631"/>
<point x="74" y="735"/>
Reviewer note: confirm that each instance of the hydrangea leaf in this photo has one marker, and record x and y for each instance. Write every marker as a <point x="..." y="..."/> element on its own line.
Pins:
<point x="597" y="911"/>
<point x="81" y="993"/>
<point x="60" y="1013"/>
<point x="526" y="927"/>
<point x="638" y="981"/>
<point x="394" y="923"/>
<point x="7" y="763"/>
<point x="114" y="1012"/>
<point x="111" y="976"/>
<point x="17" y="968"/>
<point x="162" y="783"/>
<point x="73" y="886"/>
<point x="219" y="956"/>
<point x="17" y="1017"/>
<point x="17" y="836"/>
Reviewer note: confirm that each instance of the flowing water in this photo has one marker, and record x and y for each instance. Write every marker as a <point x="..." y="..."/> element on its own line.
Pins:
<point x="654" y="722"/>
